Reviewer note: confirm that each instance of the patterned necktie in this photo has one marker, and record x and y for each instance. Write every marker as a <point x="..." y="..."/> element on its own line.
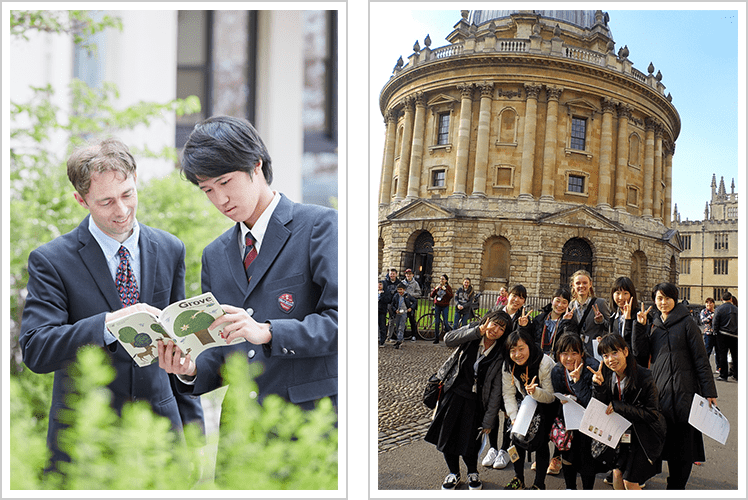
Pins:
<point x="127" y="286"/>
<point x="250" y="252"/>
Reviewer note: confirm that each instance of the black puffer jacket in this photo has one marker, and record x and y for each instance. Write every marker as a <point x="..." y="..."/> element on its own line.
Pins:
<point x="679" y="363"/>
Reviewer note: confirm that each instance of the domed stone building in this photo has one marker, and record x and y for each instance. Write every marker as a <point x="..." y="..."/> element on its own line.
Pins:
<point x="525" y="149"/>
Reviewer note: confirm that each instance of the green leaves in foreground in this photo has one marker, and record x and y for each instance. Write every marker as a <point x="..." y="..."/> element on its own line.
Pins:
<point x="271" y="446"/>
<point x="276" y="445"/>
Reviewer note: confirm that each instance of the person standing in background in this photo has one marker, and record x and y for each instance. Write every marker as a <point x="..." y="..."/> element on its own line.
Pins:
<point x="414" y="290"/>
<point x="710" y="338"/>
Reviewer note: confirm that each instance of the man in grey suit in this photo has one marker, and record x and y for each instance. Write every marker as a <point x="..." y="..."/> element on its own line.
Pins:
<point x="275" y="272"/>
<point x="108" y="267"/>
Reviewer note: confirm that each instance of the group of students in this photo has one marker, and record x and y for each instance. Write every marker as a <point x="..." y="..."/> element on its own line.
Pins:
<point x="653" y="362"/>
<point x="399" y="299"/>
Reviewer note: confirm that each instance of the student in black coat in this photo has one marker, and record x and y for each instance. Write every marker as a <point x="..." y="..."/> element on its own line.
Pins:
<point x="680" y="368"/>
<point x="630" y="391"/>
<point x="472" y="395"/>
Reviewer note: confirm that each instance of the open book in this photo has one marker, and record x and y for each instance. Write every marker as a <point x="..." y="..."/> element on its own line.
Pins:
<point x="185" y="323"/>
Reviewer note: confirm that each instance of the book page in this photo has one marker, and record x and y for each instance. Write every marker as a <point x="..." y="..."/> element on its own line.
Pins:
<point x="138" y="334"/>
<point x="607" y="429"/>
<point x="189" y="320"/>
<point x="573" y="411"/>
<point x="524" y="415"/>
<point x="708" y="420"/>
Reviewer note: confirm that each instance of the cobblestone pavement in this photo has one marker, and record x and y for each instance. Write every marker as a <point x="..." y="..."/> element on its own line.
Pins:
<point x="403" y="418"/>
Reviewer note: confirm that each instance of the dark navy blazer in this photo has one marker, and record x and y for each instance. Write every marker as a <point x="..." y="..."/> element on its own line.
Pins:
<point x="294" y="285"/>
<point x="70" y="290"/>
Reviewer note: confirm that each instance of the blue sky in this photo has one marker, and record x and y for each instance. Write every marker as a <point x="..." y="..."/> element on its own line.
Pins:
<point x="696" y="51"/>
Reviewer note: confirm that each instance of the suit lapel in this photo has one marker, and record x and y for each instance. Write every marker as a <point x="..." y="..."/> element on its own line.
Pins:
<point x="234" y="261"/>
<point x="93" y="258"/>
<point x="275" y="238"/>
<point x="148" y="264"/>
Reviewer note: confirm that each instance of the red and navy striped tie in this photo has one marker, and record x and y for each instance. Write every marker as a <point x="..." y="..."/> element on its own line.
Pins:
<point x="250" y="253"/>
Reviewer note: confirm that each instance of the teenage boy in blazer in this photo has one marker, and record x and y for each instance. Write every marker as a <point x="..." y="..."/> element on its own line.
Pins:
<point x="72" y="289"/>
<point x="285" y="302"/>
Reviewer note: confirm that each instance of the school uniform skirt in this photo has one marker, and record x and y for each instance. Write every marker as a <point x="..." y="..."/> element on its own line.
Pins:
<point x="633" y="462"/>
<point x="455" y="426"/>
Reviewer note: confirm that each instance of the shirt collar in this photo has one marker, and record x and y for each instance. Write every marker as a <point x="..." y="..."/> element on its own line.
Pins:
<point x="483" y="349"/>
<point x="109" y="245"/>
<point x="260" y="227"/>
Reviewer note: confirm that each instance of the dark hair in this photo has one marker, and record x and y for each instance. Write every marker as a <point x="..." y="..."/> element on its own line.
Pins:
<point x="514" y="338"/>
<point x="519" y="291"/>
<point x="107" y="155"/>
<point x="569" y="341"/>
<point x="463" y="279"/>
<point x="446" y="278"/>
<point x="499" y="317"/>
<point x="726" y="297"/>
<point x="562" y="292"/>
<point x="224" y="144"/>
<point x="400" y="285"/>
<point x="612" y="342"/>
<point x="625" y="284"/>
<point x="709" y="299"/>
<point x="667" y="289"/>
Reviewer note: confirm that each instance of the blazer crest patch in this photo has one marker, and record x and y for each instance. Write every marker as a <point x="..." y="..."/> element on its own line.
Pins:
<point x="286" y="302"/>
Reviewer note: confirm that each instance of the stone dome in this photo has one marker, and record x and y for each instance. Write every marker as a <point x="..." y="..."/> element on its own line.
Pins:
<point x="584" y="19"/>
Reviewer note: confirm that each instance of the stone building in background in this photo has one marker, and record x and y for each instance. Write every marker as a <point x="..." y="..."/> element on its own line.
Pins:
<point x="525" y="149"/>
<point x="709" y="260"/>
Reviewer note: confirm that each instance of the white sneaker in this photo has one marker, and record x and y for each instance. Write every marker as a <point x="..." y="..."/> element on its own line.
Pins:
<point x="502" y="460"/>
<point x="490" y="457"/>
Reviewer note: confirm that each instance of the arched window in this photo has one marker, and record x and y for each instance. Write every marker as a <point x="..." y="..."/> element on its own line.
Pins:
<point x="508" y="126"/>
<point x="399" y="141"/>
<point x="673" y="274"/>
<point x="576" y="255"/>
<point x="638" y="270"/>
<point x="496" y="259"/>
<point x="634" y="143"/>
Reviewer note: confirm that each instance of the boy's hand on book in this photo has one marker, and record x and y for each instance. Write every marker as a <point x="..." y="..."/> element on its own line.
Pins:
<point x="121" y="313"/>
<point x="238" y="323"/>
<point x="170" y="359"/>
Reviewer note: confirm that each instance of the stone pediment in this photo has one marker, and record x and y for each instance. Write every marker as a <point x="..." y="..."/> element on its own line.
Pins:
<point x="441" y="99"/>
<point x="581" y="216"/>
<point x="581" y="104"/>
<point x="672" y="236"/>
<point x="421" y="210"/>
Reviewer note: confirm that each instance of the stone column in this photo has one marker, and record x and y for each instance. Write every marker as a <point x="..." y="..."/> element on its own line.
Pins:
<point x="388" y="160"/>
<point x="416" y="155"/>
<point x="402" y="173"/>
<point x="656" y="209"/>
<point x="606" y="154"/>
<point x="481" y="146"/>
<point x="668" y="159"/>
<point x="463" y="139"/>
<point x="624" y="113"/>
<point x="551" y="143"/>
<point x="528" y="150"/>
<point x="649" y="126"/>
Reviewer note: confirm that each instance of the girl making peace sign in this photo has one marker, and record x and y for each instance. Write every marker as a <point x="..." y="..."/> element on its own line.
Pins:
<point x="527" y="371"/>
<point x="630" y="391"/>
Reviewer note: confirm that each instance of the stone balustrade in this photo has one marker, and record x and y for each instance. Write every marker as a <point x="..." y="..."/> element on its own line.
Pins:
<point x="527" y="46"/>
